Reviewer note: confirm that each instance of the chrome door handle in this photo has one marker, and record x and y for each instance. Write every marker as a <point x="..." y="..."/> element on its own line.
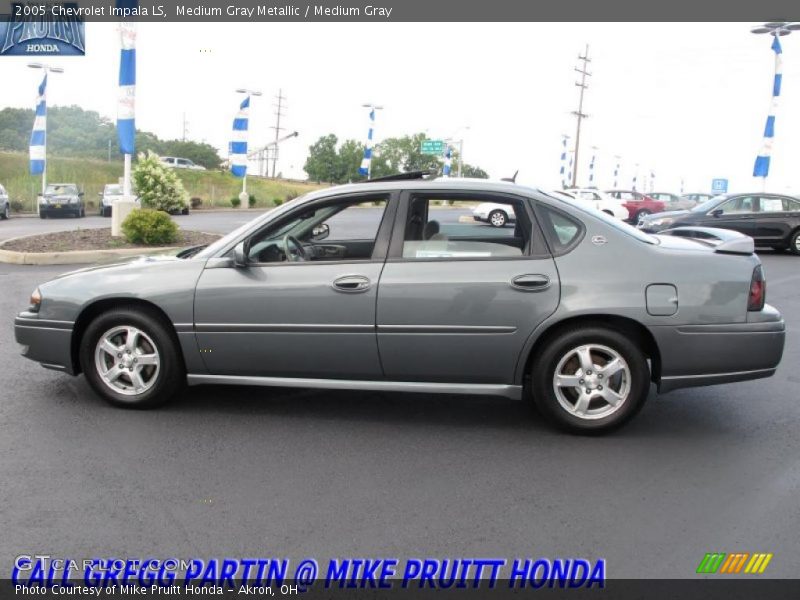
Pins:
<point x="530" y="283"/>
<point x="351" y="284"/>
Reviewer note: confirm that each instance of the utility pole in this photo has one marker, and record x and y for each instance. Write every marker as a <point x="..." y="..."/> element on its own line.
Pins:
<point x="579" y="114"/>
<point x="278" y="114"/>
<point x="185" y="128"/>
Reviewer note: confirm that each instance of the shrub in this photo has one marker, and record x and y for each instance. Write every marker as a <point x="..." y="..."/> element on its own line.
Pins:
<point x="17" y="206"/>
<point x="235" y="202"/>
<point x="157" y="185"/>
<point x="277" y="201"/>
<point x="251" y="201"/>
<point x="291" y="196"/>
<point x="196" y="202"/>
<point x="90" y="204"/>
<point x="151" y="227"/>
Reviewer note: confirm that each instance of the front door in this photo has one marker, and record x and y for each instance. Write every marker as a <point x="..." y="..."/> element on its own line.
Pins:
<point x="459" y="297"/>
<point x="736" y="214"/>
<point x="304" y="306"/>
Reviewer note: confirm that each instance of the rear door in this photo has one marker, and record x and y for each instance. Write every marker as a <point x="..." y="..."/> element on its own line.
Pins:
<point x="774" y="219"/>
<point x="457" y="298"/>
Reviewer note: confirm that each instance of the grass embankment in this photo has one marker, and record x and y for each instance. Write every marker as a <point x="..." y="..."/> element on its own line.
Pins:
<point x="215" y="188"/>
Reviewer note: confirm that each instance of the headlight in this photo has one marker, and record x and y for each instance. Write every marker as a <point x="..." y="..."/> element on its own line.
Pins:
<point x="660" y="222"/>
<point x="36" y="300"/>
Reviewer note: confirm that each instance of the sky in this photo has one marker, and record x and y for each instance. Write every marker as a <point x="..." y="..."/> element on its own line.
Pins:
<point x="685" y="101"/>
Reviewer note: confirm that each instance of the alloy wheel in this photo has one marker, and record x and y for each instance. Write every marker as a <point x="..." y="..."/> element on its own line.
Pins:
<point x="592" y="381"/>
<point x="127" y="360"/>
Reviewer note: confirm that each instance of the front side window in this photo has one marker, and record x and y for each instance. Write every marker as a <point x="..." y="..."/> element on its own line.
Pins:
<point x="741" y="204"/>
<point x="463" y="229"/>
<point x="342" y="230"/>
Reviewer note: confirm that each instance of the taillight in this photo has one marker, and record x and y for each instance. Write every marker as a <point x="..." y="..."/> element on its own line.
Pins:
<point x="758" y="290"/>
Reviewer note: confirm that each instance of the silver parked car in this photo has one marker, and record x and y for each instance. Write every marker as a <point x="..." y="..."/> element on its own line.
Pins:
<point x="5" y="204"/>
<point x="391" y="285"/>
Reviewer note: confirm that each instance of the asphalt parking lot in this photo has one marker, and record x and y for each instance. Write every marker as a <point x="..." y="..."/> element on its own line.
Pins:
<point x="253" y="471"/>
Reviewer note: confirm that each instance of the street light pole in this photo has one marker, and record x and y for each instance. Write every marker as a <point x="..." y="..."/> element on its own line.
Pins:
<point x="47" y="70"/>
<point x="776" y="29"/>
<point x="244" y="198"/>
<point x="460" y="143"/>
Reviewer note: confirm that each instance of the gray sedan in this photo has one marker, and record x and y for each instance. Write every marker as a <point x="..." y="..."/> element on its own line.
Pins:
<point x="392" y="286"/>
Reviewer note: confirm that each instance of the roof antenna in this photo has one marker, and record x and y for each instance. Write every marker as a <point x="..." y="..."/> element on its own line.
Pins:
<point x="512" y="179"/>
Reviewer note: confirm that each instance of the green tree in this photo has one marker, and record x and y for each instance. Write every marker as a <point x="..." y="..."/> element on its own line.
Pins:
<point x="323" y="162"/>
<point x="351" y="153"/>
<point x="158" y="186"/>
<point x="400" y="155"/>
<point x="468" y="170"/>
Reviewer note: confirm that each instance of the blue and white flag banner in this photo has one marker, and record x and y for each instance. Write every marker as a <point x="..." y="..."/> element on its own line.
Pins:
<point x="238" y="146"/>
<point x="591" y="172"/>
<point x="366" y="162"/>
<point x="448" y="159"/>
<point x="616" y="175"/>
<point x="562" y="170"/>
<point x="126" y="104"/>
<point x="761" y="168"/>
<point x="38" y="143"/>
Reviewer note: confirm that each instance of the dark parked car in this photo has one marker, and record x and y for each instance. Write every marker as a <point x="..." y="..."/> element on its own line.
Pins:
<point x="697" y="198"/>
<point x="770" y="219"/>
<point x="638" y="204"/>
<point x="5" y="205"/>
<point x="372" y="287"/>
<point x="61" y="199"/>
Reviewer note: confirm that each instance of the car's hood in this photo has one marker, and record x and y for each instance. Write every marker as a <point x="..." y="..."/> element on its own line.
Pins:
<point x="671" y="213"/>
<point x="142" y="261"/>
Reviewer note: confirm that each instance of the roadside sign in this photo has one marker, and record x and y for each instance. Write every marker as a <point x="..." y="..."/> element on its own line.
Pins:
<point x="719" y="186"/>
<point x="434" y="147"/>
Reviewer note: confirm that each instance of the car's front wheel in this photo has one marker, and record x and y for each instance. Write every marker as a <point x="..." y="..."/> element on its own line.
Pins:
<point x="590" y="379"/>
<point x="498" y="218"/>
<point x="6" y="212"/>
<point x="641" y="214"/>
<point x="794" y="242"/>
<point x="131" y="358"/>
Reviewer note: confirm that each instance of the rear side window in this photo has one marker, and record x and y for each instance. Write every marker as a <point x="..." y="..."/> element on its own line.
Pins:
<point x="562" y="231"/>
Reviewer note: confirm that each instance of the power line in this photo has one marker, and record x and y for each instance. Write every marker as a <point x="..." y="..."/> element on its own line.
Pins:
<point x="579" y="114"/>
<point x="277" y="127"/>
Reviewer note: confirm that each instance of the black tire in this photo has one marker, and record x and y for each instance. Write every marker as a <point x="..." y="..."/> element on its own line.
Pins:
<point x="185" y="210"/>
<point x="6" y="213"/>
<point x="498" y="218"/>
<point x="794" y="242"/>
<point x="163" y="383"/>
<point x="562" y="346"/>
<point x="82" y="213"/>
<point x="639" y="214"/>
<point x="42" y="215"/>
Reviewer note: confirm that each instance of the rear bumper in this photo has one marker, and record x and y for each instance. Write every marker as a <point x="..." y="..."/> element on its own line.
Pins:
<point x="46" y="342"/>
<point x="697" y="355"/>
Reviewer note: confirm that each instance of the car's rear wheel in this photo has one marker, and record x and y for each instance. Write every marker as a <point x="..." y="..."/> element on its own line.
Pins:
<point x="794" y="242"/>
<point x="498" y="218"/>
<point x="590" y="379"/>
<point x="6" y="212"/>
<point x="131" y="358"/>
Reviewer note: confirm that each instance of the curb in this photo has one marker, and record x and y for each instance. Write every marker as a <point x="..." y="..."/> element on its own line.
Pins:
<point x="74" y="257"/>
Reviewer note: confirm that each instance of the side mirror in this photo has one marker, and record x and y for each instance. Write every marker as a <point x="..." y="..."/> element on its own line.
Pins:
<point x="240" y="255"/>
<point x="80" y="193"/>
<point x="320" y="232"/>
<point x="718" y="212"/>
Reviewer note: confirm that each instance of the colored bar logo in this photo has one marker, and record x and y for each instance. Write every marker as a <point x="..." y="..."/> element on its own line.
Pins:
<point x="734" y="563"/>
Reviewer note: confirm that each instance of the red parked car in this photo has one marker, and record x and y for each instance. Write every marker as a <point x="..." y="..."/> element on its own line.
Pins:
<point x="638" y="204"/>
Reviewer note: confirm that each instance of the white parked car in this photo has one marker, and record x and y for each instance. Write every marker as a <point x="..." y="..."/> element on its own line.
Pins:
<point x="496" y="215"/>
<point x="181" y="163"/>
<point x="601" y="201"/>
<point x="110" y="194"/>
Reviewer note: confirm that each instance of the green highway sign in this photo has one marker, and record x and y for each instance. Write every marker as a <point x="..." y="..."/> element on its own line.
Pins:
<point x="435" y="147"/>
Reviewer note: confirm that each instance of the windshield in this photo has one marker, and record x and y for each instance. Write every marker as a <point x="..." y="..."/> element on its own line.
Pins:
<point x="60" y="189"/>
<point x="708" y="204"/>
<point x="608" y="219"/>
<point x="113" y="190"/>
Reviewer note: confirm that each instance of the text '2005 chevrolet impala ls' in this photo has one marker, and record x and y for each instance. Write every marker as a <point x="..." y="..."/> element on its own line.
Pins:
<point x="392" y="286"/>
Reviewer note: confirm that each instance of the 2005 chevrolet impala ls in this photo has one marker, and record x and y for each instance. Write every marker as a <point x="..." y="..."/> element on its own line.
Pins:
<point x="392" y="285"/>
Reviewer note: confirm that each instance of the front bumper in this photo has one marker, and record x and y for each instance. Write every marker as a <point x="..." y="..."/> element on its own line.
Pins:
<point x="59" y="209"/>
<point x="46" y="342"/>
<point x="698" y="355"/>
